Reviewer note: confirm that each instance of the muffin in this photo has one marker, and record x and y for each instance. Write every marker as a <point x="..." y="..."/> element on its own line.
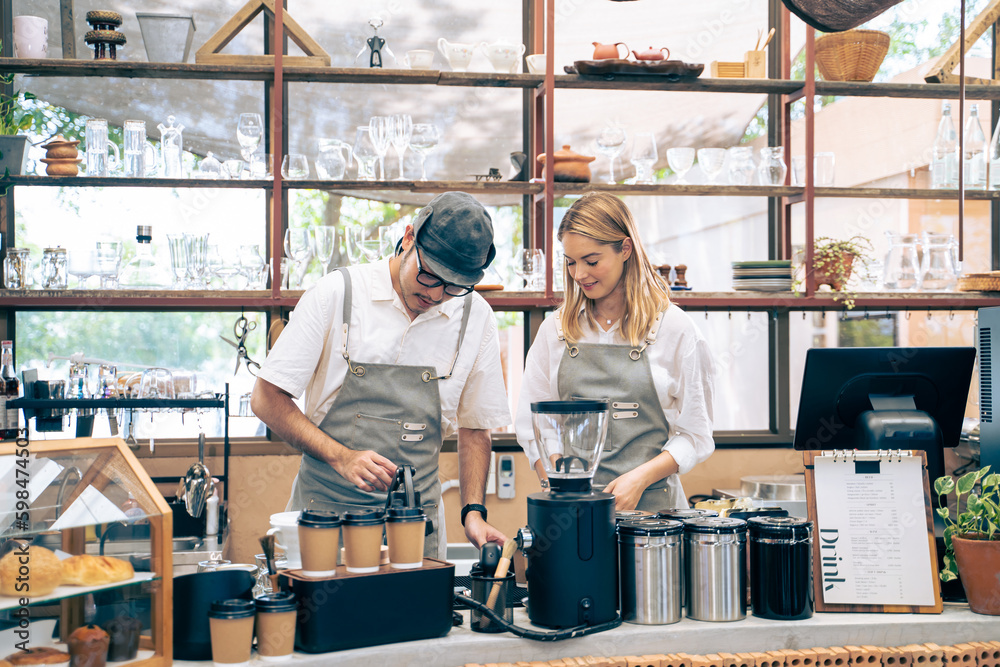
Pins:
<point x="88" y="647"/>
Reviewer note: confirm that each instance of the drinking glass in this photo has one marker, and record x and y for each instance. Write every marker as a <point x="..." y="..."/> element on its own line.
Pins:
<point x="680" y="160"/>
<point x="387" y="239"/>
<point x="353" y="236"/>
<point x="82" y="264"/>
<point x="250" y="133"/>
<point x="196" y="254"/>
<point x="323" y="240"/>
<point x="611" y="142"/>
<point x="252" y="266"/>
<point x="223" y="265"/>
<point x="138" y="155"/>
<point x="799" y="170"/>
<point x="400" y="131"/>
<point x="156" y="383"/>
<point x="711" y="160"/>
<point x="366" y="154"/>
<point x="233" y="169"/>
<point x="109" y="259"/>
<point x="178" y="259"/>
<point x="644" y="156"/>
<point x="379" y="128"/>
<point x="529" y="265"/>
<point x="423" y="140"/>
<point x="372" y="248"/>
<point x="823" y="169"/>
<point x="96" y="137"/>
<point x="741" y="165"/>
<point x="295" y="167"/>
<point x="298" y="248"/>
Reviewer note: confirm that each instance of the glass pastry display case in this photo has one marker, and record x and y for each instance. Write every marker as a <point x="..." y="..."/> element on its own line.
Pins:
<point x="64" y="504"/>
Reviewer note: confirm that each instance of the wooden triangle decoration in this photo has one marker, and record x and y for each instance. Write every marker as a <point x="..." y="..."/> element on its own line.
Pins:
<point x="209" y="53"/>
<point x="944" y="69"/>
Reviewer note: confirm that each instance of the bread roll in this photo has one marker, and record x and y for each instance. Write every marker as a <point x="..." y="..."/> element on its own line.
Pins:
<point x="89" y="570"/>
<point x="39" y="655"/>
<point x="29" y="573"/>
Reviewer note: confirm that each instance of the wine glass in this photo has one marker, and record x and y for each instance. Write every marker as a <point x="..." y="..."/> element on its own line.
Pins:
<point x="423" y="140"/>
<point x="711" y="161"/>
<point x="83" y="265"/>
<point x="680" y="160"/>
<point x="529" y="265"/>
<point x="379" y="129"/>
<point x="644" y="156"/>
<point x="400" y="131"/>
<point x="387" y="239"/>
<point x="364" y="151"/>
<point x="298" y="248"/>
<point x="611" y="142"/>
<point x="353" y="235"/>
<point x="249" y="132"/>
<point x="323" y="242"/>
<point x="252" y="266"/>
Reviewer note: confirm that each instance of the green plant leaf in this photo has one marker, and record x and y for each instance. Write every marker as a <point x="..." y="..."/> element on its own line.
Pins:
<point x="943" y="512"/>
<point x="944" y="485"/>
<point x="967" y="482"/>
<point x="991" y="481"/>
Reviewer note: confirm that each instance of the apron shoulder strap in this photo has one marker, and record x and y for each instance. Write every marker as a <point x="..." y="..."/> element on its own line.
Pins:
<point x="466" y="312"/>
<point x="655" y="327"/>
<point x="348" y="290"/>
<point x="560" y="334"/>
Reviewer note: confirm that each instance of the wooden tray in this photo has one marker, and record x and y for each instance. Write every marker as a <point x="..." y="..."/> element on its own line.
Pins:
<point x="672" y="70"/>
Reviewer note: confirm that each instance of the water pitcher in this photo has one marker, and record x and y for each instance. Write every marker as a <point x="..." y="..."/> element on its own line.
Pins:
<point x="938" y="266"/>
<point x="902" y="265"/>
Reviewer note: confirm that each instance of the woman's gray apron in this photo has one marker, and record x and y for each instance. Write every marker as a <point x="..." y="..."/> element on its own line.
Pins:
<point x="391" y="409"/>
<point x="637" y="427"/>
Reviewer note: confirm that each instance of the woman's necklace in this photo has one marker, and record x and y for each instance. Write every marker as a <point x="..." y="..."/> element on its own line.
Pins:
<point x="608" y="320"/>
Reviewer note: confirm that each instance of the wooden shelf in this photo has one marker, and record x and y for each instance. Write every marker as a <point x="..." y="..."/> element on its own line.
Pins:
<point x="472" y="187"/>
<point x="144" y="299"/>
<point x="743" y="301"/>
<point x="699" y="85"/>
<point x="928" y="91"/>
<point x="121" y="181"/>
<point x="669" y="189"/>
<point x="133" y="70"/>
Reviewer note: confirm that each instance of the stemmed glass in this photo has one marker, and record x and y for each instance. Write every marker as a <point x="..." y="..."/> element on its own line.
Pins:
<point x="680" y="160"/>
<point x="400" y="131"/>
<point x="249" y="132"/>
<point x="353" y="235"/>
<point x="298" y="248"/>
<point x="611" y="142"/>
<point x="323" y="242"/>
<point x="387" y="240"/>
<point x="423" y="140"/>
<point x="644" y="156"/>
<point x="379" y="128"/>
<point x="252" y="266"/>
<point x="366" y="154"/>
<point x="711" y="161"/>
<point x="83" y="265"/>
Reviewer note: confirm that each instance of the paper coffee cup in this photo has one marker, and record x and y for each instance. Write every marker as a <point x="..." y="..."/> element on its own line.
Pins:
<point x="404" y="529"/>
<point x="230" y="624"/>
<point x="319" y="540"/>
<point x="276" y="626"/>
<point x="362" y="540"/>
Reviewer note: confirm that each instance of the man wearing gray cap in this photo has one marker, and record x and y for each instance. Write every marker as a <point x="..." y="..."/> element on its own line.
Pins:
<point x="389" y="363"/>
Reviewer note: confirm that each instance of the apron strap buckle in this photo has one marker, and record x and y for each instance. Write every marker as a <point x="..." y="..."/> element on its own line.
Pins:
<point x="357" y="370"/>
<point x="573" y="351"/>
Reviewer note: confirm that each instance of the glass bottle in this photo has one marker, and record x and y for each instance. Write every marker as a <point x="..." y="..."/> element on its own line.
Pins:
<point x="974" y="158"/>
<point x="9" y="417"/>
<point x="142" y="271"/>
<point x="172" y="148"/>
<point x="944" y="160"/>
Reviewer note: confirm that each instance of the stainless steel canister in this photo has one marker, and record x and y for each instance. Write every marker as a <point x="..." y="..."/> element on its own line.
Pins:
<point x="715" y="567"/>
<point x="649" y="556"/>
<point x="682" y="514"/>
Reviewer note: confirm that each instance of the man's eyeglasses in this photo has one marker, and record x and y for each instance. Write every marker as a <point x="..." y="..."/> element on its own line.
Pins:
<point x="430" y="280"/>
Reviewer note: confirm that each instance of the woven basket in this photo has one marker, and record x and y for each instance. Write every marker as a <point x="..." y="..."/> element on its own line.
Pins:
<point x="979" y="282"/>
<point x="853" y="55"/>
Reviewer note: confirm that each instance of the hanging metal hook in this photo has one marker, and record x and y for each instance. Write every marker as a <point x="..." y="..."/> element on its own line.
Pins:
<point x="866" y="312"/>
<point x="951" y="314"/>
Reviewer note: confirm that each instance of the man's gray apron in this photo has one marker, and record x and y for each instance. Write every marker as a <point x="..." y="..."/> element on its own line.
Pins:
<point x="637" y="427"/>
<point x="391" y="409"/>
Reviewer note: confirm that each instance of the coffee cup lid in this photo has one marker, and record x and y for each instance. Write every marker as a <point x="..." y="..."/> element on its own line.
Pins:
<point x="319" y="519"/>
<point x="276" y="602"/>
<point x="363" y="517"/>
<point x="406" y="514"/>
<point x="231" y="609"/>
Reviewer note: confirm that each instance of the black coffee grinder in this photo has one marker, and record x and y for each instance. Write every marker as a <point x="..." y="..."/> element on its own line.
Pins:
<point x="569" y="541"/>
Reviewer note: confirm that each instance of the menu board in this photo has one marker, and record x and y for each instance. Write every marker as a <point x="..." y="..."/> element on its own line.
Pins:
<point x="873" y="544"/>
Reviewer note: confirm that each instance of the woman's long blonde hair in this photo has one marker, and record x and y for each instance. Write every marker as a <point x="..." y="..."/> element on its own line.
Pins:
<point x="606" y="219"/>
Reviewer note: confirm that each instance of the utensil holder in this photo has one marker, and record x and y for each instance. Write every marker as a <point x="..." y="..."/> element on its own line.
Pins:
<point x="481" y="588"/>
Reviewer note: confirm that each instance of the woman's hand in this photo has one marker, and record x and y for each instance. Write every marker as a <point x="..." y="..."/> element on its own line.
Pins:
<point x="627" y="489"/>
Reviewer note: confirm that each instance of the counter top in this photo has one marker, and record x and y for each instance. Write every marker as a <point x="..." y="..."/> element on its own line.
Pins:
<point x="461" y="646"/>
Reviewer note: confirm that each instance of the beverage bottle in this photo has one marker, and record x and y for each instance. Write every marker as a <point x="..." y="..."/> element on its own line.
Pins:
<point x="994" y="158"/>
<point x="9" y="417"/>
<point x="142" y="271"/>
<point x="944" y="159"/>
<point x="974" y="158"/>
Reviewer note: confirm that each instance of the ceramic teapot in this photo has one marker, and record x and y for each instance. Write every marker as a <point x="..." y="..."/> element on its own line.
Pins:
<point x="652" y="54"/>
<point x="570" y="166"/>
<point x="607" y="51"/>
<point x="457" y="54"/>
<point x="504" y="56"/>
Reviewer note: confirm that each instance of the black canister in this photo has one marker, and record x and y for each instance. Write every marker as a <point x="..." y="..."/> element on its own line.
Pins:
<point x="781" y="584"/>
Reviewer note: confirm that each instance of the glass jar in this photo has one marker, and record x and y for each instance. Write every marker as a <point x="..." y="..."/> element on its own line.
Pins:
<point x="938" y="265"/>
<point x="55" y="273"/>
<point x="902" y="266"/>
<point x="772" y="168"/>
<point x="17" y="268"/>
<point x="741" y="165"/>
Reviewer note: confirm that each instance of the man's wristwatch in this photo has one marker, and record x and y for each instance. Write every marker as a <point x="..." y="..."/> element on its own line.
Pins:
<point x="473" y="507"/>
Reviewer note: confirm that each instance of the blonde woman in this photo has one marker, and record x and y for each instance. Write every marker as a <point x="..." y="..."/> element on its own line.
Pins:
<point x="618" y="337"/>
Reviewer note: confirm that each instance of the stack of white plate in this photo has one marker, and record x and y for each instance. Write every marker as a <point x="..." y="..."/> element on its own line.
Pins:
<point x="763" y="276"/>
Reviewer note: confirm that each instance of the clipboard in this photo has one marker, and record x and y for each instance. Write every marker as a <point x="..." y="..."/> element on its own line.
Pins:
<point x="872" y="518"/>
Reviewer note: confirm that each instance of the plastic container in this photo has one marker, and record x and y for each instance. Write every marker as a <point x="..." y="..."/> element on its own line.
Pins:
<point x="715" y="568"/>
<point x="781" y="584"/>
<point x="649" y="554"/>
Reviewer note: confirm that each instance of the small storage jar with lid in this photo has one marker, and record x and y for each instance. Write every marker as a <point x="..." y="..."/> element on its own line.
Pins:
<point x="55" y="269"/>
<point x="649" y="553"/>
<point x="781" y="584"/>
<point x="715" y="568"/>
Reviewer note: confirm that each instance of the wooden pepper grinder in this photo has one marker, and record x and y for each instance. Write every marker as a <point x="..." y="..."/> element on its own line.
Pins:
<point x="664" y="271"/>
<point x="681" y="281"/>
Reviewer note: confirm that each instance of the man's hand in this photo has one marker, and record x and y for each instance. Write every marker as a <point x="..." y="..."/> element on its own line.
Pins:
<point x="367" y="470"/>
<point x="479" y="532"/>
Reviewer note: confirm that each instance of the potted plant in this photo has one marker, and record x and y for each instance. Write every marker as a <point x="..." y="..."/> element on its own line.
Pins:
<point x="834" y="260"/>
<point x="14" y="118"/>
<point x="972" y="536"/>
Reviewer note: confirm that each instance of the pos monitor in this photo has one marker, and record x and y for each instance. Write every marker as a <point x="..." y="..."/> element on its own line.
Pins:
<point x="885" y="398"/>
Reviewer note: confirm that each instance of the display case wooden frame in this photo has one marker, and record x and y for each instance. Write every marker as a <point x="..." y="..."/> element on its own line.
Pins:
<point x="113" y="457"/>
